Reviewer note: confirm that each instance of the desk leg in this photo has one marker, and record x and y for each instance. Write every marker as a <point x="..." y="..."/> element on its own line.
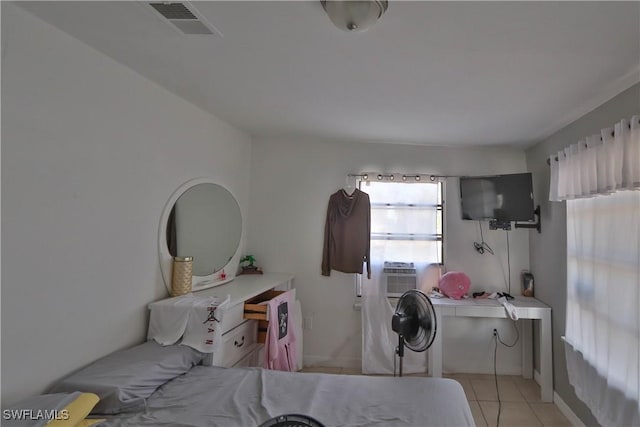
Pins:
<point x="527" y="348"/>
<point x="546" y="361"/>
<point x="435" y="352"/>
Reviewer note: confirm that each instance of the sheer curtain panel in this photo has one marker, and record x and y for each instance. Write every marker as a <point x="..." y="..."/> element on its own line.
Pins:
<point x="602" y="334"/>
<point x="406" y="226"/>
<point x="599" y="164"/>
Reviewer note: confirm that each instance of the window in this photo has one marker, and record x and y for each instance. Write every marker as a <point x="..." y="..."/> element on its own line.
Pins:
<point x="406" y="222"/>
<point x="602" y="335"/>
<point x="603" y="325"/>
<point x="407" y="219"/>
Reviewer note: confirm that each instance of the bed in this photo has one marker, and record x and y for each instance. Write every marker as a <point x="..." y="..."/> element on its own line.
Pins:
<point x="155" y="385"/>
<point x="214" y="396"/>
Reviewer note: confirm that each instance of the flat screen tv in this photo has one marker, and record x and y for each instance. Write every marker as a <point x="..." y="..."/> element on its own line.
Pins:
<point x="500" y="197"/>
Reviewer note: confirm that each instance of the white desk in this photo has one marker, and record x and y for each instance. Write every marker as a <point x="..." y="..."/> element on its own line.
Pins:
<point x="527" y="309"/>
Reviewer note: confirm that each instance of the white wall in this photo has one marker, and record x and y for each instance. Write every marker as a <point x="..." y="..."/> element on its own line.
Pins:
<point x="549" y="249"/>
<point x="91" y="151"/>
<point x="291" y="181"/>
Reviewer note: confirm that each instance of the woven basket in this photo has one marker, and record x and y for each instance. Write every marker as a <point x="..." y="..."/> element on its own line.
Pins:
<point x="182" y="274"/>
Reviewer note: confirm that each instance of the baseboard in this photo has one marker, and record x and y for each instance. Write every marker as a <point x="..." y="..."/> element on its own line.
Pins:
<point x="562" y="406"/>
<point x="566" y="411"/>
<point x="472" y="371"/>
<point x="345" y="362"/>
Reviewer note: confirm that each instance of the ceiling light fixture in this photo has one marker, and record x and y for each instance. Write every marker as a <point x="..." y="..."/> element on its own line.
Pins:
<point x="354" y="15"/>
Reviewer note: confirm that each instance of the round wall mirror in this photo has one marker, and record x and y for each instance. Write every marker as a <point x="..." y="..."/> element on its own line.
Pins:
<point x="201" y="220"/>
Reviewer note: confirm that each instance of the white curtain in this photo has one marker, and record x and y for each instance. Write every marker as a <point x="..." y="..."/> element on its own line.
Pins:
<point x="602" y="337"/>
<point x="378" y="339"/>
<point x="599" y="164"/>
<point x="389" y="218"/>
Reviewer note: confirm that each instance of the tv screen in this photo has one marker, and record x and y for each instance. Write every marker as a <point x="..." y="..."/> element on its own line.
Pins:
<point x="500" y="197"/>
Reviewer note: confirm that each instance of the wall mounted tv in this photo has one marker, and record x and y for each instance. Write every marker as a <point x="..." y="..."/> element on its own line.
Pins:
<point x="503" y="198"/>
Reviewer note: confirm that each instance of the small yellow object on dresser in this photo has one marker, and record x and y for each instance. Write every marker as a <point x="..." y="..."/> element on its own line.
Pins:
<point x="182" y="275"/>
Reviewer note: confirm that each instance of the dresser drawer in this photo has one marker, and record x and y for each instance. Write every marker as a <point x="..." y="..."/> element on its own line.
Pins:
<point x="255" y="309"/>
<point x="233" y="317"/>
<point x="254" y="359"/>
<point x="236" y="343"/>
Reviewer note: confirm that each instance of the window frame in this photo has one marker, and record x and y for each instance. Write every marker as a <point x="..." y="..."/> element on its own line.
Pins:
<point x="440" y="207"/>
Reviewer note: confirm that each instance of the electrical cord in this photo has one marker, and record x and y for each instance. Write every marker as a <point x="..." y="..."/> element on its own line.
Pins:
<point x="497" y="339"/>
<point x="495" y="375"/>
<point x="515" y="327"/>
<point x="482" y="247"/>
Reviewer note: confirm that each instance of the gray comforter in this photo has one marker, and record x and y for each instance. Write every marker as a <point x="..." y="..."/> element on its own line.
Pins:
<point x="246" y="397"/>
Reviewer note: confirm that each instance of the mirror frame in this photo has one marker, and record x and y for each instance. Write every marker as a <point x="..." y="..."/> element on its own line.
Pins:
<point x="198" y="283"/>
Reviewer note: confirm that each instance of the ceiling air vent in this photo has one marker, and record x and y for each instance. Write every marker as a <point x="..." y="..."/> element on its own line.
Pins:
<point x="185" y="18"/>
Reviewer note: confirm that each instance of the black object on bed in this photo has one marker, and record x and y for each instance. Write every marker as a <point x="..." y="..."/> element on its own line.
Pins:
<point x="292" y="420"/>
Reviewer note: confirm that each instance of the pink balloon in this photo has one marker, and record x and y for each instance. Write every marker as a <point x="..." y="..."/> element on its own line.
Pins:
<point x="454" y="284"/>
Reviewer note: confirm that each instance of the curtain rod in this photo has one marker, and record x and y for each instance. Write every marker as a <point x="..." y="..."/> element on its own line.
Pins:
<point x="417" y="177"/>
<point x="585" y="145"/>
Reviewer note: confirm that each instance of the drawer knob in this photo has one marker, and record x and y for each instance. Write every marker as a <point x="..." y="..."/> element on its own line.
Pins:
<point x="239" y="344"/>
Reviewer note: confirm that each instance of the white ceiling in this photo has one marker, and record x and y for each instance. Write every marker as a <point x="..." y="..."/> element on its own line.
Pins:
<point x="436" y="73"/>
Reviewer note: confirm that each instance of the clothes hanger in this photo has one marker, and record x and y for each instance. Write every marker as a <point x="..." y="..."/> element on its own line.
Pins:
<point x="350" y="186"/>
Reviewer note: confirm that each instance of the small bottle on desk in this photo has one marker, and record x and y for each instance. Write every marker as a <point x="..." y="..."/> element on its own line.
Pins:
<point x="527" y="284"/>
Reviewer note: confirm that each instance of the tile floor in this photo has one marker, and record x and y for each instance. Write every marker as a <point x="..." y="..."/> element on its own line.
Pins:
<point x="521" y="405"/>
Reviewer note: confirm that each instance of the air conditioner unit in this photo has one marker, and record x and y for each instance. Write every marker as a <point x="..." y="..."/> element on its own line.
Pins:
<point x="399" y="277"/>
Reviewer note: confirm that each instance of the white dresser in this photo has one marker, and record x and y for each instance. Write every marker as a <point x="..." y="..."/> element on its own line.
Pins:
<point x="239" y="335"/>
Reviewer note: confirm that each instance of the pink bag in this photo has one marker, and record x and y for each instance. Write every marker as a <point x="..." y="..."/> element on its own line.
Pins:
<point x="454" y="284"/>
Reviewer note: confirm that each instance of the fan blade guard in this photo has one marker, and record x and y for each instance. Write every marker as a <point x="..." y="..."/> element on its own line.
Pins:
<point x="415" y="320"/>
